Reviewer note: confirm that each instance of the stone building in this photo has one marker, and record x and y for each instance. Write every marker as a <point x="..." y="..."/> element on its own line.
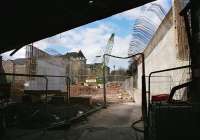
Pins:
<point x="75" y="66"/>
<point x="17" y="66"/>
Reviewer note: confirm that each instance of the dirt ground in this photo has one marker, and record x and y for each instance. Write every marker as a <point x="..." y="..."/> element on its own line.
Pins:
<point x="110" y="123"/>
<point x="113" y="122"/>
<point x="115" y="115"/>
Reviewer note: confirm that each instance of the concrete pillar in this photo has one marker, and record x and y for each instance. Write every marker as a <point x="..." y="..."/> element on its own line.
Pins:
<point x="2" y="77"/>
<point x="181" y="39"/>
<point x="195" y="51"/>
<point x="1" y="66"/>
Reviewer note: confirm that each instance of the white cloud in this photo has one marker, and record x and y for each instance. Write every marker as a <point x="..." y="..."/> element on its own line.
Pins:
<point x="133" y="14"/>
<point x="130" y="14"/>
<point x="91" y="40"/>
<point x="19" y="54"/>
<point x="120" y="48"/>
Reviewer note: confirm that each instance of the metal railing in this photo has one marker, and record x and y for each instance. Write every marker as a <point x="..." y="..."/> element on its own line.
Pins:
<point x="68" y="82"/>
<point x="174" y="89"/>
<point x="160" y="71"/>
<point x="45" y="77"/>
<point x="28" y="75"/>
<point x="161" y="76"/>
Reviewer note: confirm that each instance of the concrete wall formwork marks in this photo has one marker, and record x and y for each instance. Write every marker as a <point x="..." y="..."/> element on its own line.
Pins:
<point x="48" y="67"/>
<point x="164" y="56"/>
<point x="167" y="49"/>
<point x="157" y="59"/>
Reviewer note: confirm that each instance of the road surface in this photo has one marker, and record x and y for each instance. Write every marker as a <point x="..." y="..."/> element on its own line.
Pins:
<point x="112" y="123"/>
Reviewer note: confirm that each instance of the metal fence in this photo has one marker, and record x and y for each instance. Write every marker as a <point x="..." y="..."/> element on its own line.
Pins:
<point x="174" y="77"/>
<point x="16" y="87"/>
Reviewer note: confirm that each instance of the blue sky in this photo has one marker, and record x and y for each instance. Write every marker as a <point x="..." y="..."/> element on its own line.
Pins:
<point x="93" y="37"/>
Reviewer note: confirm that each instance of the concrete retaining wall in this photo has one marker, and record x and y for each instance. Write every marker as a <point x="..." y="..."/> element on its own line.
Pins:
<point x="163" y="57"/>
<point x="163" y="53"/>
<point x="128" y="86"/>
<point x="49" y="67"/>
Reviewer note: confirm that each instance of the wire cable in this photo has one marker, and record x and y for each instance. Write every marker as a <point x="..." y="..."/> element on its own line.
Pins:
<point x="135" y="128"/>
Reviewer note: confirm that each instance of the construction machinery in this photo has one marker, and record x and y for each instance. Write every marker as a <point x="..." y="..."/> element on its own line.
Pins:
<point x="104" y="62"/>
<point x="109" y="48"/>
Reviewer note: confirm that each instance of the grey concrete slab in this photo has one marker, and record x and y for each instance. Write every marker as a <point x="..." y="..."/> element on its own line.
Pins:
<point x="112" y="123"/>
<point x="102" y="133"/>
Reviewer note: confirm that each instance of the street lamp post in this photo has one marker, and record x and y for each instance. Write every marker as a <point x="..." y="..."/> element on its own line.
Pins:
<point x="104" y="81"/>
<point x="13" y="77"/>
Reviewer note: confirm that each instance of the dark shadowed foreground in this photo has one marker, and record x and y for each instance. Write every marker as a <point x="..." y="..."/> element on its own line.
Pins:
<point x="112" y="123"/>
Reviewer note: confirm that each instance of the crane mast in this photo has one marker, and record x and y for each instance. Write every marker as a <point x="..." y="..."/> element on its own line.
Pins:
<point x="108" y="48"/>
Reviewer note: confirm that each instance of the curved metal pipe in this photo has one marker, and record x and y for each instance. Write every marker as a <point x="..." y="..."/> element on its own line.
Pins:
<point x="174" y="89"/>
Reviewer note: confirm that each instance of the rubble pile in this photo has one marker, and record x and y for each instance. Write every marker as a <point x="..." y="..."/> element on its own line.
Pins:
<point x="77" y="90"/>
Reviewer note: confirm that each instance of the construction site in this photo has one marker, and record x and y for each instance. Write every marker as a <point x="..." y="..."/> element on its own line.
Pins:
<point x="146" y="90"/>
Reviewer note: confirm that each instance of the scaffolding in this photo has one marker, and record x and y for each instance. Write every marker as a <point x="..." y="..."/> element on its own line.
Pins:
<point x="31" y="54"/>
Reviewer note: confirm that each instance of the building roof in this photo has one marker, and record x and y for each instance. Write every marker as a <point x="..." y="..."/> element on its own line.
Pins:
<point x="27" y="21"/>
<point x="21" y="61"/>
<point x="75" y="54"/>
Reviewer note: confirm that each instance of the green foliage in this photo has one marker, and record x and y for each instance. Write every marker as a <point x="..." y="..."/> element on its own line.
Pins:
<point x="99" y="80"/>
